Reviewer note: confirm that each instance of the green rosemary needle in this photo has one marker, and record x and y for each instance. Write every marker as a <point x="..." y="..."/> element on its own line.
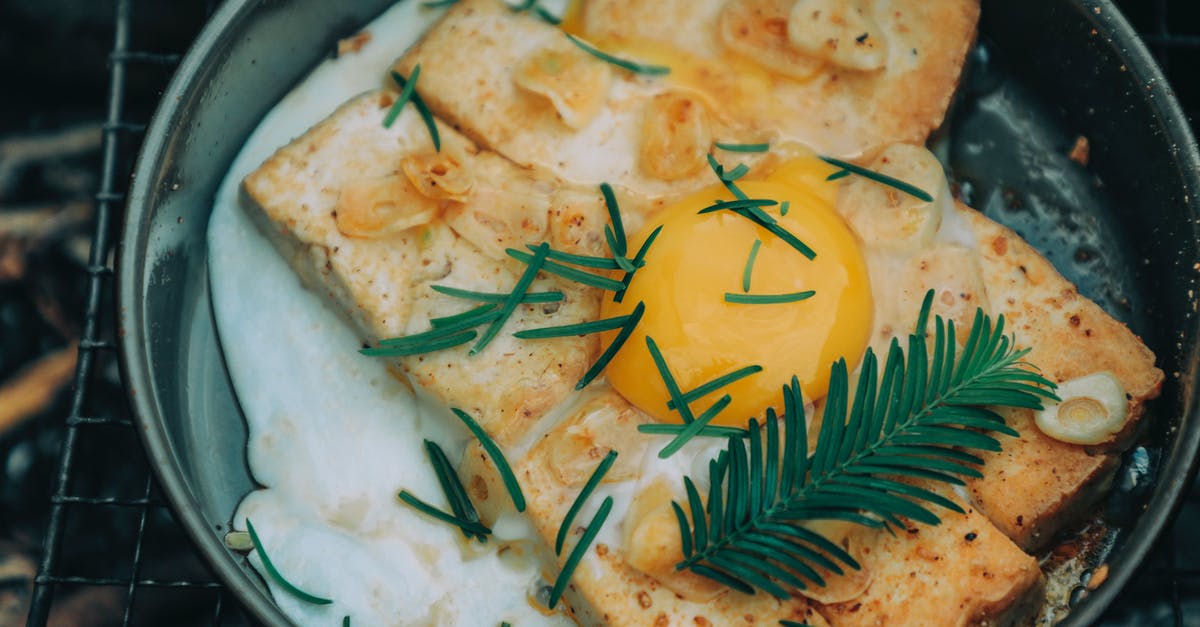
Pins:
<point x="431" y="346"/>
<point x="489" y="297"/>
<point x="452" y="487"/>
<point x="577" y="553"/>
<point x="497" y="456"/>
<point x="445" y="322"/>
<point x="685" y="411"/>
<point x="792" y="623"/>
<point x="514" y="299"/>
<point x="840" y="174"/>
<point x="767" y="299"/>
<point x="433" y="512"/>
<point x="567" y="272"/>
<point x="584" y="261"/>
<point x="783" y="209"/>
<point x="769" y="223"/>
<point x="708" y="431"/>
<point x="716" y="384"/>
<point x="403" y="98"/>
<point x="763" y="147"/>
<point x="614" y="217"/>
<point x="437" y="4"/>
<point x="346" y="619"/>
<point x="426" y="114"/>
<point x="276" y="576"/>
<point x="907" y="188"/>
<point x="639" y="260"/>
<point x="749" y="203"/>
<point x="569" y="330"/>
<point x="634" y="318"/>
<point x="636" y="68"/>
<point x="618" y="258"/>
<point x="547" y="16"/>
<point x="748" y="271"/>
<point x="588" y="488"/>
<point x="692" y="429"/>
<point x="736" y="173"/>
<point x="461" y="324"/>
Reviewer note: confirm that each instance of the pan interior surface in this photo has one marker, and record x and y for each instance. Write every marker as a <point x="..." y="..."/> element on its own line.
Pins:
<point x="1123" y="229"/>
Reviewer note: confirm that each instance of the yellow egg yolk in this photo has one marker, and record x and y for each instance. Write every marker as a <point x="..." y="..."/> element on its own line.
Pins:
<point x="698" y="258"/>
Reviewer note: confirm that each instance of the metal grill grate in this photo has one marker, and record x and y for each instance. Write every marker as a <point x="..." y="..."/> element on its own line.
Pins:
<point x="1166" y="591"/>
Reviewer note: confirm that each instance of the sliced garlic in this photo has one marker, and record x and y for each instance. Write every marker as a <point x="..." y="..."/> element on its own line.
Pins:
<point x="839" y="31"/>
<point x="759" y="29"/>
<point x="575" y="83"/>
<point x="374" y="208"/>
<point x="438" y="175"/>
<point x="885" y="216"/>
<point x="604" y="426"/>
<point x="675" y="136"/>
<point x="1092" y="410"/>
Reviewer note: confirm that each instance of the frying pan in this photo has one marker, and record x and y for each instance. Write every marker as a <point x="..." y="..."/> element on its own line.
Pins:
<point x="1047" y="71"/>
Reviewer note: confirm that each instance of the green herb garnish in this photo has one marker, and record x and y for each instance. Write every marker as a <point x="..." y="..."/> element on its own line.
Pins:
<point x="480" y="312"/>
<point x="639" y="260"/>
<point x="619" y="259"/>
<point x="426" y="114"/>
<point x="614" y="217"/>
<point x="490" y="297"/>
<point x="437" y="4"/>
<point x="634" y="318"/>
<point x="577" y="553"/>
<point x="585" y="261"/>
<point x="497" y="456"/>
<point x="459" y="325"/>
<point x="636" y="68"/>
<point x="716" y="384"/>
<point x="403" y="98"/>
<point x="792" y="623"/>
<point x="275" y="574"/>
<point x="346" y="619"/>
<point x="569" y="330"/>
<point x="736" y="173"/>
<point x="748" y="203"/>
<point x="452" y="487"/>
<point x="588" y="488"/>
<point x="907" y="420"/>
<point x="547" y="16"/>
<point x="694" y="428"/>
<point x="783" y="209"/>
<point x="768" y="224"/>
<point x="433" y="512"/>
<point x="430" y="344"/>
<point x="567" y="272"/>
<point x="710" y="431"/>
<point x="748" y="271"/>
<point x="907" y="188"/>
<point x="767" y="299"/>
<point x="763" y="147"/>
<point x="514" y="298"/>
<point x="685" y="410"/>
<point x="840" y="174"/>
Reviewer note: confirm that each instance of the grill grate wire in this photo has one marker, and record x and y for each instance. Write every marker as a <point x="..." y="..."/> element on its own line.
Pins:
<point x="1166" y="591"/>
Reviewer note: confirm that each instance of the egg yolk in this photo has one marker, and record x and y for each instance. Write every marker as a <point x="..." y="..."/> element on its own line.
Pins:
<point x="698" y="258"/>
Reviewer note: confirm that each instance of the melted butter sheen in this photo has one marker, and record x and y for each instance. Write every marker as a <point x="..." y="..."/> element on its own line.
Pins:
<point x="697" y="259"/>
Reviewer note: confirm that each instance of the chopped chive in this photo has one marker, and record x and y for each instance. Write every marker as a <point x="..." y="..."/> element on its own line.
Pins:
<point x="907" y="188"/>
<point x="497" y="457"/>
<point x="461" y="324"/>
<point x="736" y="173"/>
<point x="429" y="510"/>
<point x="764" y="147"/>
<point x="577" y="553"/>
<point x="614" y="216"/>
<point x="425" y="347"/>
<point x="768" y="224"/>
<point x="685" y="411"/>
<point x="403" y="98"/>
<point x="840" y="174"/>
<point x="452" y="487"/>
<point x="748" y="271"/>
<point x="426" y="114"/>
<point x="547" y="16"/>
<point x="567" y="272"/>
<point x="588" y="488"/>
<point x="488" y="297"/>
<point x="448" y="321"/>
<point x="639" y="260"/>
<point x="275" y="574"/>
<point x="568" y="330"/>
<point x="636" y="68"/>
<point x="767" y="299"/>
<point x="709" y="431"/>
<point x="437" y="4"/>
<point x="700" y="391"/>
<point x="514" y="298"/>
<point x="692" y="429"/>
<point x="585" y="261"/>
<point x="783" y="209"/>
<point x="748" y="203"/>
<point x="611" y="351"/>
<point x="619" y="258"/>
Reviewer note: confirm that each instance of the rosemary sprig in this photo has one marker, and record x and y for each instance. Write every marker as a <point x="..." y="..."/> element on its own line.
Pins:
<point x="763" y="147"/>
<point x="426" y="114"/>
<point x="706" y="388"/>
<point x="589" y="487"/>
<point x="748" y="203"/>
<point x="908" y="420"/>
<point x="437" y="4"/>
<point x="514" y="298"/>
<point x="452" y="487"/>
<point x="568" y="330"/>
<point x="907" y="188"/>
<point x="403" y="98"/>
<point x="736" y="173"/>
<point x="768" y="224"/>
<point x="614" y="217"/>
<point x="461" y="323"/>
<point x="276" y="575"/>
<point x="792" y="623"/>
<point x="497" y="456"/>
<point x="783" y="208"/>
<point x="694" y="428"/>
<point x="567" y="272"/>
<point x="664" y="371"/>
<point x="636" y="68"/>
<point x="748" y="271"/>
<point x="840" y="174"/>
<point x="346" y="619"/>
<point x="710" y="431"/>
<point x="446" y="321"/>
<point x="619" y="341"/>
<point x="433" y="512"/>
<point x="577" y="553"/>
<point x="490" y="297"/>
<point x="585" y="261"/>
<point x="547" y="16"/>
<point x="639" y="260"/>
<point x="767" y="299"/>
<point x="434" y="344"/>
